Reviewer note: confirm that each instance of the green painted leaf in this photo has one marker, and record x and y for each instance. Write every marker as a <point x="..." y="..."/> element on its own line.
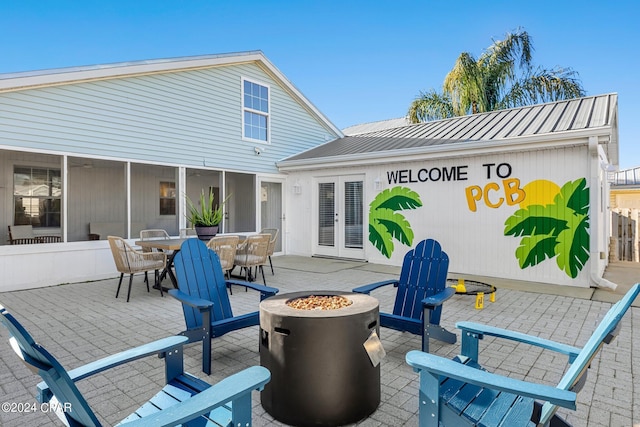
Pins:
<point x="381" y="238"/>
<point x="397" y="199"/>
<point x="578" y="200"/>
<point x="573" y="248"/>
<point x="396" y="224"/>
<point x="385" y="223"/>
<point x="557" y="230"/>
<point x="534" y="220"/>
<point x="535" y="249"/>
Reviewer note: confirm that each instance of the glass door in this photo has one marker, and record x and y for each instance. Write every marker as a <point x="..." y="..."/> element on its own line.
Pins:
<point x="340" y="222"/>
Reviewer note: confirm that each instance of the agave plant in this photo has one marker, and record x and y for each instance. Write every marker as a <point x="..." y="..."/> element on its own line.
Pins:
<point x="557" y="230"/>
<point x="386" y="224"/>
<point x="206" y="215"/>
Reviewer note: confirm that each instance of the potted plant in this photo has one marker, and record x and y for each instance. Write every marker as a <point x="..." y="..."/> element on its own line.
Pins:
<point x="205" y="218"/>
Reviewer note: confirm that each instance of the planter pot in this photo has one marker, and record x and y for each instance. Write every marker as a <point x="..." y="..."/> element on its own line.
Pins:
<point x="206" y="233"/>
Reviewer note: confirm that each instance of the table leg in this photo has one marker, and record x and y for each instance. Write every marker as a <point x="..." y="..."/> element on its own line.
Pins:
<point x="168" y="270"/>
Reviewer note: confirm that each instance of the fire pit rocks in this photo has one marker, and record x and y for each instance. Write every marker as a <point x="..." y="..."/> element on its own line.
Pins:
<point x="314" y="345"/>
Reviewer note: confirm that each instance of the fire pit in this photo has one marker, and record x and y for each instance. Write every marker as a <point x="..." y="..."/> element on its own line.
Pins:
<point x="314" y="346"/>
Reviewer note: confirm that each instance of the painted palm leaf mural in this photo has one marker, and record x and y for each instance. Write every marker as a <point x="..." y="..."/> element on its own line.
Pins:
<point x="553" y="222"/>
<point x="386" y="224"/>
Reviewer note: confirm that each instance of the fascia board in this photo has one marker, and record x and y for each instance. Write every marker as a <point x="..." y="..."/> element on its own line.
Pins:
<point x="27" y="80"/>
<point x="474" y="148"/>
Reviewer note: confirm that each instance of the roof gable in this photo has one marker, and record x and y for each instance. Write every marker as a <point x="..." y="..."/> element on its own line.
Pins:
<point x="63" y="76"/>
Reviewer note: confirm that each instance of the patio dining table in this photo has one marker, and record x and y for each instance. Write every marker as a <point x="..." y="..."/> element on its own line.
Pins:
<point x="165" y="245"/>
<point x="174" y="245"/>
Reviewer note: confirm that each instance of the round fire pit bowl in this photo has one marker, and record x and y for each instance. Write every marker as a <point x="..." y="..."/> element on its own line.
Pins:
<point x="321" y="373"/>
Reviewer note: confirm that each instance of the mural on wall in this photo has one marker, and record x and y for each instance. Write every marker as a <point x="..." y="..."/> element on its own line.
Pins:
<point x="553" y="222"/>
<point x="386" y="224"/>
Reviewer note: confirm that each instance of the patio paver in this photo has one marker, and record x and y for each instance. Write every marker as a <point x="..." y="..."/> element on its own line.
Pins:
<point x="81" y="322"/>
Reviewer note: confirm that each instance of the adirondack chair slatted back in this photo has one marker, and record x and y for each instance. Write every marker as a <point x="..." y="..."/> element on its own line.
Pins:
<point x="423" y="274"/>
<point x="39" y="360"/>
<point x="606" y="331"/>
<point x="200" y="274"/>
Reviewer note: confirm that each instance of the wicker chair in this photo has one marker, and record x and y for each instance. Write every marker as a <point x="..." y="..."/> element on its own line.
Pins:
<point x="23" y="235"/>
<point x="155" y="234"/>
<point x="272" y="243"/>
<point x="130" y="261"/>
<point x="253" y="253"/>
<point x="225" y="247"/>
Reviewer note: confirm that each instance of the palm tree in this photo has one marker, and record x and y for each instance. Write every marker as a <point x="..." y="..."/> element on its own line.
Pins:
<point x="502" y="77"/>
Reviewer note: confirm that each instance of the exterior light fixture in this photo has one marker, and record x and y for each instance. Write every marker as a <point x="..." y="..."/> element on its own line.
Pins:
<point x="297" y="187"/>
<point x="377" y="184"/>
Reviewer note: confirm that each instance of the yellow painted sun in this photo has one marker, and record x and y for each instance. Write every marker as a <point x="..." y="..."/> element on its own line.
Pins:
<point x="539" y="192"/>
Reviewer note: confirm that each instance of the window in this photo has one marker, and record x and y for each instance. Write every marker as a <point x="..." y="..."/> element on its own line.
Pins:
<point x="167" y="198"/>
<point x="255" y="111"/>
<point x="37" y="196"/>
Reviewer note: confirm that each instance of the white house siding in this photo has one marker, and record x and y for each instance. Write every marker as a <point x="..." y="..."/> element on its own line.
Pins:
<point x="475" y="241"/>
<point x="187" y="117"/>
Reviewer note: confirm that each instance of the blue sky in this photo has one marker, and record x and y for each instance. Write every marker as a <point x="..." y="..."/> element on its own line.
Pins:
<point x="357" y="61"/>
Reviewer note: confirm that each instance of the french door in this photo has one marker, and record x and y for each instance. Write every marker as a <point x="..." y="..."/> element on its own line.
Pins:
<point x="339" y="228"/>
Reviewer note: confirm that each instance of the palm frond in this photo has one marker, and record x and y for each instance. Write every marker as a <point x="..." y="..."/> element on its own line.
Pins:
<point x="503" y="77"/>
<point x="542" y="85"/>
<point x="430" y="106"/>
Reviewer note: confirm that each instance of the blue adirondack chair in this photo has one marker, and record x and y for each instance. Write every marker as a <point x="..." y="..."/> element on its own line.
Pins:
<point x="184" y="400"/>
<point x="202" y="290"/>
<point x="422" y="289"/>
<point x="459" y="392"/>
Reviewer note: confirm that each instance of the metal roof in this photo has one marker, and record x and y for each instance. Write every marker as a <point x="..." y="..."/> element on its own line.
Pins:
<point x="552" y="120"/>
<point x="376" y="126"/>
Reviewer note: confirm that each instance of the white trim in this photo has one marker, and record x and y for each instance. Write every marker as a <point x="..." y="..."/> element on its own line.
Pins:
<point x="114" y="159"/>
<point x="65" y="197"/>
<point x="258" y="112"/>
<point x="470" y="148"/>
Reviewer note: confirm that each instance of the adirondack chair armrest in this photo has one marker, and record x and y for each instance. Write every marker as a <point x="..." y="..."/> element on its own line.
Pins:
<point x="440" y="366"/>
<point x="366" y="289"/>
<point x="472" y="332"/>
<point x="439" y="298"/>
<point x="227" y="390"/>
<point x="195" y="302"/>
<point x="266" y="291"/>
<point x="159" y="347"/>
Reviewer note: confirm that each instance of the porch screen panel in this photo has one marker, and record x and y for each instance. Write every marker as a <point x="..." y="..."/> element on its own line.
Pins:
<point x="326" y="214"/>
<point x="353" y="210"/>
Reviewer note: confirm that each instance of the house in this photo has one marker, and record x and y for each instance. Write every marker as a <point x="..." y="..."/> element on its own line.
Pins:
<point x="518" y="194"/>
<point x="111" y="149"/>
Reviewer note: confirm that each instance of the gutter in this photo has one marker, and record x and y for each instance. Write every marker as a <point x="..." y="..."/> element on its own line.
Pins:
<point x="594" y="166"/>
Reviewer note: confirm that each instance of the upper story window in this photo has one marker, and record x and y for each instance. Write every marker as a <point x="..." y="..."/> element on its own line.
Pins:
<point x="255" y="111"/>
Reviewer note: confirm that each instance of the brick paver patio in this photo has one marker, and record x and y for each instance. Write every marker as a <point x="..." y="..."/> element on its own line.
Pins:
<point x="81" y="322"/>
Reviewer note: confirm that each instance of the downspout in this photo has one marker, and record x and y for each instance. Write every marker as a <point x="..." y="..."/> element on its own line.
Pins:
<point x="594" y="192"/>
